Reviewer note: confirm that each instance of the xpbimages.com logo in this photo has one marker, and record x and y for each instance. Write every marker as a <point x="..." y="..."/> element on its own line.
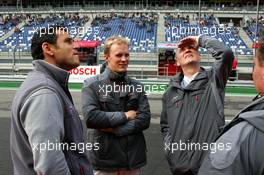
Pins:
<point x="192" y="146"/>
<point x="105" y="89"/>
<point x="58" y="146"/>
<point x="197" y="30"/>
<point x="73" y="30"/>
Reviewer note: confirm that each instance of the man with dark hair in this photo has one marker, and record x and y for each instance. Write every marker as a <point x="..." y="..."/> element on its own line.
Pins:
<point x="116" y="107"/>
<point x="239" y="148"/>
<point x="46" y="131"/>
<point x="193" y="105"/>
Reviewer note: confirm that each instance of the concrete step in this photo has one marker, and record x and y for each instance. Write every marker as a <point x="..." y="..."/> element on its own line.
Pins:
<point x="11" y="32"/>
<point x="161" y="29"/>
<point x="245" y="38"/>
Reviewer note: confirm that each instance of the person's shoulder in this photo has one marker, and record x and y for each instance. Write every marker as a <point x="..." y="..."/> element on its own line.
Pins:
<point x="37" y="77"/>
<point x="239" y="130"/>
<point x="137" y="85"/>
<point x="229" y="145"/>
<point x="134" y="81"/>
<point x="43" y="95"/>
<point x="43" y="91"/>
<point x="36" y="83"/>
<point x="169" y="87"/>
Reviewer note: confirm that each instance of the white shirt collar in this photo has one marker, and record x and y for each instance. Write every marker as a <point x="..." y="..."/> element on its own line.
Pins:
<point x="186" y="80"/>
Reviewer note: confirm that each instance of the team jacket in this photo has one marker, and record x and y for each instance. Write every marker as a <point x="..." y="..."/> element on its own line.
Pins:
<point x="241" y="145"/>
<point x="103" y="107"/>
<point x="43" y="119"/>
<point x="195" y="114"/>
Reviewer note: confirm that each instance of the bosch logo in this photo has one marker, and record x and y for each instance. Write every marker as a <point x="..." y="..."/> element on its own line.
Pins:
<point x="84" y="71"/>
<point x="79" y="74"/>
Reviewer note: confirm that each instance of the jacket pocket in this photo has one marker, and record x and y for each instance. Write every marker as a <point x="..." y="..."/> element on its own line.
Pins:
<point x="103" y="142"/>
<point x="175" y="101"/>
<point x="73" y="125"/>
<point x="72" y="161"/>
<point x="196" y="100"/>
<point x="109" y="103"/>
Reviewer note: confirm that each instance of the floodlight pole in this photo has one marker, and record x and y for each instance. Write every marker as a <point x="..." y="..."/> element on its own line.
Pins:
<point x="17" y="4"/>
<point x="199" y="10"/>
<point x="256" y="36"/>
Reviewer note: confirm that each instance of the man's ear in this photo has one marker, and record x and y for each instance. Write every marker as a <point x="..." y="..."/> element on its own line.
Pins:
<point x="261" y="71"/>
<point x="106" y="57"/>
<point x="47" y="49"/>
<point x="260" y="67"/>
<point x="177" y="62"/>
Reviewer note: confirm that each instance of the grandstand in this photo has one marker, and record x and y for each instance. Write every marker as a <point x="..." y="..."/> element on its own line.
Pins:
<point x="143" y="23"/>
<point x="180" y="27"/>
<point x="152" y="27"/>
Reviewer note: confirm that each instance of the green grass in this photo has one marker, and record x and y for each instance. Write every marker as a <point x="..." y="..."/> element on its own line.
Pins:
<point x="10" y="84"/>
<point x="75" y="85"/>
<point x="241" y="90"/>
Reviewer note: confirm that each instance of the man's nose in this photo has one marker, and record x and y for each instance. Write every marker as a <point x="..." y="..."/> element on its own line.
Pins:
<point x="124" y="58"/>
<point x="187" y="49"/>
<point x="75" y="50"/>
<point x="75" y="45"/>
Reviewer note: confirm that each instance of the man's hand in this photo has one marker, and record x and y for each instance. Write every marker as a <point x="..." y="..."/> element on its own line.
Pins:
<point x="131" y="114"/>
<point x="190" y="41"/>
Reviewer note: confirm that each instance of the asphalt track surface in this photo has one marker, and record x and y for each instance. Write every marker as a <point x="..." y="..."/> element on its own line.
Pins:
<point x="156" y="165"/>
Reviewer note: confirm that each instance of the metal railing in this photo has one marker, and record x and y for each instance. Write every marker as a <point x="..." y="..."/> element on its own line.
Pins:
<point x="11" y="57"/>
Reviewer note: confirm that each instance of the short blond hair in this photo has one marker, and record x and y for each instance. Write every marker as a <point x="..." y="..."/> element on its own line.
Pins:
<point x="114" y="40"/>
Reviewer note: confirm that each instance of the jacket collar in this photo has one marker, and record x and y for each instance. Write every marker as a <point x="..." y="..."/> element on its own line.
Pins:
<point x="114" y="76"/>
<point x="58" y="74"/>
<point x="177" y="79"/>
<point x="255" y="102"/>
<point x="253" y="113"/>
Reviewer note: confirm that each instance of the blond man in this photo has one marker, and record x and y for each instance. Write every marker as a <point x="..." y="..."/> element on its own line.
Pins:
<point x="117" y="109"/>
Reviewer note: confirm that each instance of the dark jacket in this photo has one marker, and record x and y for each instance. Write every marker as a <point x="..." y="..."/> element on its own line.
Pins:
<point x="43" y="115"/>
<point x="195" y="114"/>
<point x="243" y="141"/>
<point x="125" y="147"/>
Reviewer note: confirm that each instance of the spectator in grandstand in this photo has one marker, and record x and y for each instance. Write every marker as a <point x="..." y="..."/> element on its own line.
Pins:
<point x="116" y="107"/>
<point x="239" y="148"/>
<point x="193" y="105"/>
<point x="236" y="32"/>
<point x="233" y="74"/>
<point x="46" y="131"/>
